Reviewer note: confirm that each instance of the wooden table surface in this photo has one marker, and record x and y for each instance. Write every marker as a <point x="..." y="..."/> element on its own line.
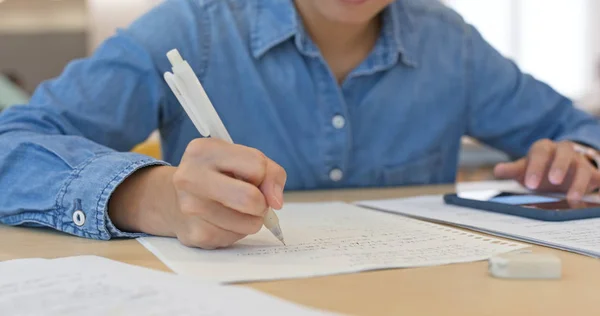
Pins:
<point x="459" y="289"/>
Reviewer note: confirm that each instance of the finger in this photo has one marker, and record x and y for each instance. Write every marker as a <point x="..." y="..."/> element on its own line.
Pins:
<point x="253" y="166"/>
<point x="580" y="183"/>
<point x="538" y="162"/>
<point x="273" y="185"/>
<point x="258" y="170"/>
<point x="240" y="161"/>
<point x="232" y="193"/>
<point x="576" y="204"/>
<point x="595" y="175"/>
<point x="222" y="216"/>
<point x="563" y="158"/>
<point x="202" y="234"/>
<point x="511" y="171"/>
<point x="595" y="181"/>
<point x="243" y="162"/>
<point x="250" y="165"/>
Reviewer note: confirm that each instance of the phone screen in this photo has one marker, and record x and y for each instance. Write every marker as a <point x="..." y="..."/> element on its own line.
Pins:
<point x="528" y="200"/>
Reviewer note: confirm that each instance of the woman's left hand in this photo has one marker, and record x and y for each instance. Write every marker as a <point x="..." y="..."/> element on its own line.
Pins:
<point x="551" y="167"/>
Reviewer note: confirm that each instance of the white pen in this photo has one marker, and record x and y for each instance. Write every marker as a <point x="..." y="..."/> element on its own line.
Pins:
<point x="192" y="97"/>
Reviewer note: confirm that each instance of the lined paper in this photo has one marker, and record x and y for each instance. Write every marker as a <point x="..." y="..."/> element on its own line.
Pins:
<point x="326" y="239"/>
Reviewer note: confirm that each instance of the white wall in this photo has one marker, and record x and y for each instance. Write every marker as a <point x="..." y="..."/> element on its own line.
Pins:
<point x="594" y="19"/>
<point x="556" y="44"/>
<point x="492" y="18"/>
<point x="105" y="16"/>
<point x="556" y="41"/>
<point x="553" y="40"/>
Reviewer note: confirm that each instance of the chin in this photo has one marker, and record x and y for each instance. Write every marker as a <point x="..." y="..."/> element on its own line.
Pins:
<point x="350" y="11"/>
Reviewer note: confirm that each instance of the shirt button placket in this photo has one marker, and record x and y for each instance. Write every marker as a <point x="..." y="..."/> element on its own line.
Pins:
<point x="333" y="109"/>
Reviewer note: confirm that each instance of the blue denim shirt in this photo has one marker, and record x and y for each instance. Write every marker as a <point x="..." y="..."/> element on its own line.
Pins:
<point x="397" y="119"/>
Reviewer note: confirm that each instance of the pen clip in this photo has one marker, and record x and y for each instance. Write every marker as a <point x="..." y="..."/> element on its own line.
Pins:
<point x="183" y="98"/>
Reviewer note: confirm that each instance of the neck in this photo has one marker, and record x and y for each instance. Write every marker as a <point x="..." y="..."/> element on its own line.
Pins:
<point x="333" y="37"/>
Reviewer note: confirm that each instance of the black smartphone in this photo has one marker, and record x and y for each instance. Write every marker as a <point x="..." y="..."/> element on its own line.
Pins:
<point x="544" y="207"/>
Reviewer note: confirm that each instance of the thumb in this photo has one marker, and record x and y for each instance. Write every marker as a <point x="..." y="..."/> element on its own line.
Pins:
<point x="512" y="170"/>
<point x="273" y="184"/>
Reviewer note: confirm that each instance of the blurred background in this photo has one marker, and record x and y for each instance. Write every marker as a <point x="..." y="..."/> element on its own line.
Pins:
<point x="557" y="41"/>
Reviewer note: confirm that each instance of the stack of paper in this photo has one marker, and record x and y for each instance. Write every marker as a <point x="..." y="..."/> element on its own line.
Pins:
<point x="581" y="236"/>
<point x="96" y="286"/>
<point x="329" y="238"/>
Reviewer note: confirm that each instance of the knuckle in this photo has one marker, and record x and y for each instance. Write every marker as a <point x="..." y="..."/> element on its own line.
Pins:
<point x="259" y="155"/>
<point x="566" y="145"/>
<point x="260" y="158"/>
<point x="544" y="145"/>
<point x="202" y="146"/>
<point x="188" y="206"/>
<point x="185" y="207"/>
<point x="568" y="153"/>
<point x="180" y="179"/>
<point x="252" y="201"/>
<point x="197" y="146"/>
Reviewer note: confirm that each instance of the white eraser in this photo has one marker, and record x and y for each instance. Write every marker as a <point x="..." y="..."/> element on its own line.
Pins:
<point x="525" y="265"/>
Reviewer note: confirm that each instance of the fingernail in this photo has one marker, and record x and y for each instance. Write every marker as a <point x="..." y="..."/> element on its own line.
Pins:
<point x="278" y="196"/>
<point x="556" y="176"/>
<point x="532" y="181"/>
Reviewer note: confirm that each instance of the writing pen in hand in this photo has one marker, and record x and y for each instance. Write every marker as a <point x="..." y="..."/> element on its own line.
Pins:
<point x="194" y="100"/>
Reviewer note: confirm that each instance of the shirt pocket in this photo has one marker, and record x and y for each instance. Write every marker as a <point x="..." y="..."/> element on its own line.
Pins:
<point x="421" y="171"/>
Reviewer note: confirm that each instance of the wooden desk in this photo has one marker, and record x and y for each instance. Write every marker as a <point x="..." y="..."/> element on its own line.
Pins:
<point x="461" y="289"/>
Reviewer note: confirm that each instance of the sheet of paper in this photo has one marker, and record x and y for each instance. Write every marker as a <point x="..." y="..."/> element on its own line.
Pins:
<point x="97" y="286"/>
<point x="325" y="239"/>
<point x="577" y="236"/>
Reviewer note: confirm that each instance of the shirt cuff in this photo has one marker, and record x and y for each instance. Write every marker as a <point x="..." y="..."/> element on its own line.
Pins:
<point x="84" y="198"/>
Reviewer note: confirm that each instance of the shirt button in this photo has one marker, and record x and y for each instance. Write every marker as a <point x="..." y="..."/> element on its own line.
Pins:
<point x="79" y="218"/>
<point x="338" y="122"/>
<point x="336" y="175"/>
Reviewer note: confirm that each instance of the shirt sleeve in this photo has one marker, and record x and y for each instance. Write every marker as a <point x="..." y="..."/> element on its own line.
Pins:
<point x="510" y="110"/>
<point x="63" y="154"/>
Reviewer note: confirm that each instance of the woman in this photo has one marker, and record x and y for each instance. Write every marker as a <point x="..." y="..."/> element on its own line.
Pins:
<point x="336" y="93"/>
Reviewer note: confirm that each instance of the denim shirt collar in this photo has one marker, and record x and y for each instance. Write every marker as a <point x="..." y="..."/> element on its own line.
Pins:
<point x="277" y="21"/>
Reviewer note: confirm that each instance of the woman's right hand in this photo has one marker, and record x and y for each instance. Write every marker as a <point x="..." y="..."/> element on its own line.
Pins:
<point x="218" y="195"/>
